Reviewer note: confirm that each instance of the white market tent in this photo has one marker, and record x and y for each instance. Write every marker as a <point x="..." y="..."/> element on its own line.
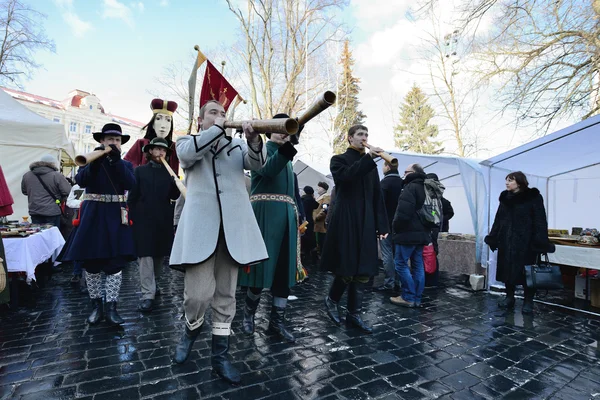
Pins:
<point x="24" y="138"/>
<point x="564" y="166"/>
<point x="309" y="176"/>
<point x="465" y="189"/>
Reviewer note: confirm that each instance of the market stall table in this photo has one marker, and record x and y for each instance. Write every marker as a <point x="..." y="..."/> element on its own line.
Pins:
<point x="24" y="254"/>
<point x="577" y="256"/>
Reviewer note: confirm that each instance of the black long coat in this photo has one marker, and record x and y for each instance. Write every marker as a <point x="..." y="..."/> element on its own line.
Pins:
<point x="519" y="232"/>
<point x="151" y="210"/>
<point x="350" y="247"/>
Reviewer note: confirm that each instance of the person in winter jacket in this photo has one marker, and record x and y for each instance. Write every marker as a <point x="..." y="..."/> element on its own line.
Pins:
<point x="320" y="214"/>
<point x="519" y="234"/>
<point x="409" y="236"/>
<point x="309" y="204"/>
<point x="44" y="204"/>
<point x="391" y="187"/>
<point x="431" y="280"/>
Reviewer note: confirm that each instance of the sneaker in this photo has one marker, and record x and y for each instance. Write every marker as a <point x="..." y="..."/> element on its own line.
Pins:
<point x="401" y="302"/>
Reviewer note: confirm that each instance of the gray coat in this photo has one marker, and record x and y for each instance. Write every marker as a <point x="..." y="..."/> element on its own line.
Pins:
<point x="216" y="195"/>
<point x="40" y="201"/>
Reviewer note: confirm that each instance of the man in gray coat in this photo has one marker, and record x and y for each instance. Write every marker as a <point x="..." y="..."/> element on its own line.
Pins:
<point x="45" y="187"/>
<point x="217" y="231"/>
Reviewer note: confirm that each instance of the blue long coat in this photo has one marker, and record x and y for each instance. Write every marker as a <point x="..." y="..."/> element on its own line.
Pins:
<point x="100" y="234"/>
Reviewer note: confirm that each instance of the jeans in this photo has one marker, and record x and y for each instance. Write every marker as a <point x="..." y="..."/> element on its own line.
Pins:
<point x="42" y="219"/>
<point x="412" y="283"/>
<point x="387" y="254"/>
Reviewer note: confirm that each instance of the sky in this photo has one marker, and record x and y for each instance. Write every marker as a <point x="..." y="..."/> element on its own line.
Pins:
<point x="116" y="49"/>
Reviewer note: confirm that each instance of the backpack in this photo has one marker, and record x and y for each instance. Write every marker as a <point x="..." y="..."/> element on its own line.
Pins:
<point x="430" y="213"/>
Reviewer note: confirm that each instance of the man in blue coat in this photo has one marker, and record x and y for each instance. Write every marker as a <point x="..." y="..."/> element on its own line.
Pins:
<point x="103" y="240"/>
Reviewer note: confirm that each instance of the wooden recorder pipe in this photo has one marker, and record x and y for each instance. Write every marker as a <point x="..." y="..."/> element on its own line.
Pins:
<point x="84" y="159"/>
<point x="287" y="126"/>
<point x="178" y="183"/>
<point x="386" y="156"/>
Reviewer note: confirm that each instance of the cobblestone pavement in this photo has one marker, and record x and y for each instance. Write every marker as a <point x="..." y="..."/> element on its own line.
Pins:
<point x="459" y="346"/>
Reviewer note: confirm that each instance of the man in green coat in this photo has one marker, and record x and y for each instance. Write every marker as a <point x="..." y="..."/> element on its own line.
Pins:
<point x="272" y="197"/>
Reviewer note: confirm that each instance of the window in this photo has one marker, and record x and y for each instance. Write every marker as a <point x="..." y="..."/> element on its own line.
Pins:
<point x="88" y="129"/>
<point x="56" y="119"/>
<point x="73" y="127"/>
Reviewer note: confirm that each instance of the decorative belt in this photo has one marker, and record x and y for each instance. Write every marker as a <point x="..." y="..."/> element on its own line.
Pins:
<point x="105" y="198"/>
<point x="272" y="197"/>
<point x="284" y="198"/>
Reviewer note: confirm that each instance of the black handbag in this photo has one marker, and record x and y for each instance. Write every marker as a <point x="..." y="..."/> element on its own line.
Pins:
<point x="543" y="275"/>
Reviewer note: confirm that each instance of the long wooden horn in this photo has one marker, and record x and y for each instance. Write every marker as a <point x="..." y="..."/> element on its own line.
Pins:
<point x="84" y="159"/>
<point x="386" y="156"/>
<point x="287" y="126"/>
<point x="320" y="105"/>
<point x="178" y="183"/>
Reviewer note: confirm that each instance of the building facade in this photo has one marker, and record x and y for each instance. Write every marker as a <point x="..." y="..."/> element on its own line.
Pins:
<point x="81" y="114"/>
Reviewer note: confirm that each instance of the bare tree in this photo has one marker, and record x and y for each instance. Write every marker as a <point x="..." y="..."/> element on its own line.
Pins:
<point x="281" y="37"/>
<point x="545" y="55"/>
<point x="22" y="36"/>
<point x="455" y="91"/>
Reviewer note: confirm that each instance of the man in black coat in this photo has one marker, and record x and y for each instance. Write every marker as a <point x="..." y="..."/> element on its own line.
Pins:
<point x="152" y="213"/>
<point x="350" y="249"/>
<point x="309" y="204"/>
<point x="410" y="235"/>
<point x="391" y="187"/>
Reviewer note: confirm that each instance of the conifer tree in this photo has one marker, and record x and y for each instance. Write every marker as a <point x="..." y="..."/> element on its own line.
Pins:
<point x="415" y="132"/>
<point x="347" y="102"/>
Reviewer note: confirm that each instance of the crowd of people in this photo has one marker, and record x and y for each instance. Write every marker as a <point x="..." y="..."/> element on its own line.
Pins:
<point x="231" y="230"/>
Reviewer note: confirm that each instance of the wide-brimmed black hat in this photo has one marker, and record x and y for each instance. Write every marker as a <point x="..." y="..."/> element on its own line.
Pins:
<point x="157" y="142"/>
<point x="111" y="129"/>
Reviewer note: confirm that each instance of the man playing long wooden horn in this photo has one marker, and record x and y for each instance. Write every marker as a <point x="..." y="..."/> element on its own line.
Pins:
<point x="272" y="197"/>
<point x="217" y="231"/>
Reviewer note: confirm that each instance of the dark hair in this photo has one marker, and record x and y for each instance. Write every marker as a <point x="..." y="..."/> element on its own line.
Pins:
<point x="520" y="178"/>
<point x="353" y="130"/>
<point x="151" y="133"/>
<point x="393" y="168"/>
<point x="203" y="108"/>
<point x="418" y="169"/>
<point x="433" y="176"/>
<point x="324" y="185"/>
<point x="309" y="190"/>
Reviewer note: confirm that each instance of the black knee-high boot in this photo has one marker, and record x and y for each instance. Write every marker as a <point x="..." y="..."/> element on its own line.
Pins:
<point x="356" y="292"/>
<point x="250" y="307"/>
<point x="220" y="361"/>
<point x="509" y="301"/>
<point x="332" y="300"/>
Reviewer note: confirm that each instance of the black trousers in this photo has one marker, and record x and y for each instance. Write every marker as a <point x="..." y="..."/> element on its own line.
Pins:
<point x="109" y="266"/>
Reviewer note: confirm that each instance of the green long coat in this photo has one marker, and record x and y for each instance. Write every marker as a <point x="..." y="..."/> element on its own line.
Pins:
<point x="275" y="218"/>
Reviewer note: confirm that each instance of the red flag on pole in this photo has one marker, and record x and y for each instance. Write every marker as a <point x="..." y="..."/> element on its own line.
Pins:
<point x="216" y="87"/>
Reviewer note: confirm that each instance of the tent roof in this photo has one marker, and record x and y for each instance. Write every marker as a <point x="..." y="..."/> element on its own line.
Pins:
<point x="19" y="126"/>
<point x="309" y="176"/>
<point x="570" y="149"/>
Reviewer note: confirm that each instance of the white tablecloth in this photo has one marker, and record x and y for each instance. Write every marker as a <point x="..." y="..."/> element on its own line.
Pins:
<point x="582" y="257"/>
<point x="25" y="254"/>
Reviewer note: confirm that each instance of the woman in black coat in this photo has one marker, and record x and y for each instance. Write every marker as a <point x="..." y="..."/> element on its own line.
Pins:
<point x="520" y="234"/>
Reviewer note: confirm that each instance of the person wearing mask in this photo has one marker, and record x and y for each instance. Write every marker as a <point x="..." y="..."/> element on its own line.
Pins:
<point x="519" y="234"/>
<point x="410" y="235"/>
<point x="45" y="189"/>
<point x="358" y="218"/>
<point x="320" y="214"/>
<point x="391" y="186"/>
